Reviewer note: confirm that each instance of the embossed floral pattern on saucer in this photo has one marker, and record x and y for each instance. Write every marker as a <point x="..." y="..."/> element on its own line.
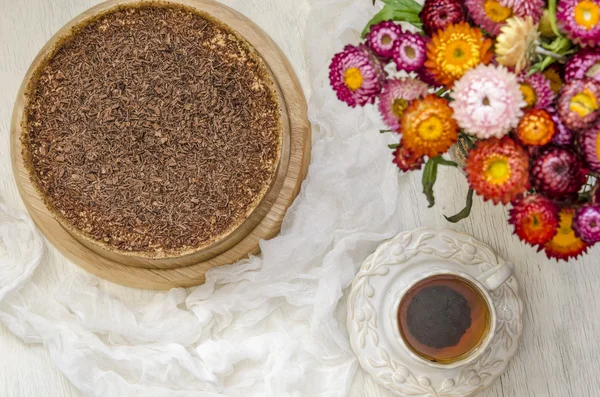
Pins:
<point x="374" y="293"/>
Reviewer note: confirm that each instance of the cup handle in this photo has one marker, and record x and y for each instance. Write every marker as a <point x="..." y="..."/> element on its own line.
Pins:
<point x="495" y="277"/>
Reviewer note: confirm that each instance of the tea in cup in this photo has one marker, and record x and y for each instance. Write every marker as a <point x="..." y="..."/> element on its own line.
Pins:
<point x="447" y="319"/>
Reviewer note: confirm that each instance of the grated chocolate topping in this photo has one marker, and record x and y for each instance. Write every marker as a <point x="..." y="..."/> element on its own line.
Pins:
<point x="153" y="129"/>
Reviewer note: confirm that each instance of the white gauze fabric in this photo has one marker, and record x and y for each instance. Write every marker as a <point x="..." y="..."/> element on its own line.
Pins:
<point x="267" y="326"/>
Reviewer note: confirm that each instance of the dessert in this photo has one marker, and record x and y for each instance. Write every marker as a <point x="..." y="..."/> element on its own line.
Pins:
<point x="152" y="129"/>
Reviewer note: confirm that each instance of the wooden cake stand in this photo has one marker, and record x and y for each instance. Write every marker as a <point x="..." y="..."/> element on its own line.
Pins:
<point x="263" y="223"/>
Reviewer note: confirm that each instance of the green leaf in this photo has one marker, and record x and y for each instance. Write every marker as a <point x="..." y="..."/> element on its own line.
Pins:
<point x="384" y="131"/>
<point x="465" y="212"/>
<point x="429" y="178"/>
<point x="397" y="10"/>
<point x="393" y="145"/>
<point x="410" y="5"/>
<point x="553" y="24"/>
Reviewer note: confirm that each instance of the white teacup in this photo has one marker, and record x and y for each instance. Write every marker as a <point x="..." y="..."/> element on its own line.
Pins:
<point x="483" y="285"/>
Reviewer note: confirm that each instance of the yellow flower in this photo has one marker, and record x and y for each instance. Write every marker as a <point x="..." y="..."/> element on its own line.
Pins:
<point x="584" y="103"/>
<point x="546" y="25"/>
<point x="556" y="82"/>
<point x="517" y="42"/>
<point x="529" y="94"/>
<point x="587" y="14"/>
<point x="353" y="79"/>
<point x="565" y="244"/>
<point x="455" y="50"/>
<point x="427" y="126"/>
<point x="497" y="170"/>
<point x="497" y="12"/>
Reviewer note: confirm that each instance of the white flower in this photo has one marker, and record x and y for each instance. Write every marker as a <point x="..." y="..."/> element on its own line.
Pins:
<point x="487" y="102"/>
<point x="517" y="42"/>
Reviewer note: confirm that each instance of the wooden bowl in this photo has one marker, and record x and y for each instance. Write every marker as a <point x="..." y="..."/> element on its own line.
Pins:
<point x="187" y="268"/>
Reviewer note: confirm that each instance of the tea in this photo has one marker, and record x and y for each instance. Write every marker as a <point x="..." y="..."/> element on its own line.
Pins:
<point x="444" y="318"/>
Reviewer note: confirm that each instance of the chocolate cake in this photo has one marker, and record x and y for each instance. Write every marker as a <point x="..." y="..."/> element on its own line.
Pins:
<point x="153" y="130"/>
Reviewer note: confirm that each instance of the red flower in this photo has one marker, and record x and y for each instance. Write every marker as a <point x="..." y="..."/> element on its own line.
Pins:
<point x="439" y="14"/>
<point x="498" y="170"/>
<point x="406" y="159"/>
<point x="535" y="219"/>
<point x="558" y="173"/>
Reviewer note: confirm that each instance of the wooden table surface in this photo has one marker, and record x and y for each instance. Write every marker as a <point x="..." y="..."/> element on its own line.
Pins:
<point x="560" y="351"/>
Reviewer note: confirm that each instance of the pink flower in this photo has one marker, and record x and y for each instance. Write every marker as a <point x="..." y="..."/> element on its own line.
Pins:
<point x="586" y="63"/>
<point x="487" y="102"/>
<point x="587" y="223"/>
<point x="356" y="75"/>
<point x="410" y="52"/>
<point x="395" y="98"/>
<point x="537" y="90"/>
<point x="526" y="8"/>
<point x="590" y="145"/>
<point x="579" y="104"/>
<point x="490" y="15"/>
<point x="580" y="20"/>
<point x="563" y="136"/>
<point x="382" y="37"/>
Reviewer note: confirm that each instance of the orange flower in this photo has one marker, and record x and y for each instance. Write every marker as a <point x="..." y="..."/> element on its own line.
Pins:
<point x="536" y="128"/>
<point x="455" y="50"/>
<point x="428" y="127"/>
<point x="566" y="245"/>
<point x="498" y="170"/>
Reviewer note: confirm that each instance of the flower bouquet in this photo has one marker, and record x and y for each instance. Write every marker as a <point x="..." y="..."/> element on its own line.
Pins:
<point x="512" y="87"/>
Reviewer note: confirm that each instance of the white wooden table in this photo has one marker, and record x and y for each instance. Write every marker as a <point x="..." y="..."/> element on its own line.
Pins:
<point x="560" y="351"/>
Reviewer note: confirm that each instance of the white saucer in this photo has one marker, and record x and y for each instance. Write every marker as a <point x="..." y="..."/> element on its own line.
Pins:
<point x="371" y="311"/>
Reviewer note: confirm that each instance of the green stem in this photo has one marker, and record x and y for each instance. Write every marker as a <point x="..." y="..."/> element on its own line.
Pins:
<point x="558" y="57"/>
<point x="553" y="21"/>
<point x="440" y="92"/>
<point x="442" y="161"/>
